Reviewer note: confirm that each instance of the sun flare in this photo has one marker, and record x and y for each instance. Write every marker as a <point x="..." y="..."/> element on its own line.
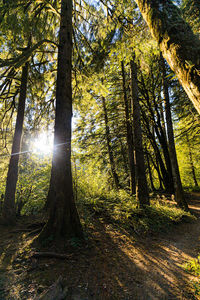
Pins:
<point x="43" y="144"/>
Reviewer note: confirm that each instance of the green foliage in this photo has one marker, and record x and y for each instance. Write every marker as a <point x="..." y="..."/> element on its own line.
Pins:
<point x="95" y="198"/>
<point x="33" y="183"/>
<point x="193" y="267"/>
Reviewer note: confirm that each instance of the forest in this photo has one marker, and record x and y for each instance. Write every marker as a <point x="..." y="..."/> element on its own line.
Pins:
<point x="99" y="149"/>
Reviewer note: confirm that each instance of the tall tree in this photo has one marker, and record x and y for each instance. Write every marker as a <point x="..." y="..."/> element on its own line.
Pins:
<point x="142" y="194"/>
<point x="178" y="43"/>
<point x="9" y="212"/>
<point x="129" y="135"/>
<point x="63" y="219"/>
<point x="179" y="193"/>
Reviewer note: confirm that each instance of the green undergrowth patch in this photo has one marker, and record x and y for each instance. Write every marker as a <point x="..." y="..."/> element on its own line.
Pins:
<point x="191" y="189"/>
<point x="121" y="208"/>
<point x="193" y="267"/>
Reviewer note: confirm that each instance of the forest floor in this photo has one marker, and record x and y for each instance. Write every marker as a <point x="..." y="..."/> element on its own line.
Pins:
<point x="112" y="264"/>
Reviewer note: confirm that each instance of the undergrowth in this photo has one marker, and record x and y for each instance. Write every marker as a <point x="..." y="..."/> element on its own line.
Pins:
<point x="121" y="208"/>
<point x="193" y="267"/>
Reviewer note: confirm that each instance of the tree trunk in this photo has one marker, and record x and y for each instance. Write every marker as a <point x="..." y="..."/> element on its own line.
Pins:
<point x="9" y="211"/>
<point x="157" y="125"/>
<point x="191" y="162"/>
<point x="179" y="45"/>
<point x="63" y="219"/>
<point x="179" y="193"/>
<point x="149" y="169"/>
<point x="142" y="194"/>
<point x="165" y="175"/>
<point x="161" y="182"/>
<point x="129" y="136"/>
<point x="108" y="140"/>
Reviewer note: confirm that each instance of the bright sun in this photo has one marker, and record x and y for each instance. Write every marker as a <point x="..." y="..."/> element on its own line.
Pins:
<point x="43" y="144"/>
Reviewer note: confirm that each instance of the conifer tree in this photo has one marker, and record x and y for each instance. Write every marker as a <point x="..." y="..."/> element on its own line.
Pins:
<point x="179" y="45"/>
<point x="63" y="219"/>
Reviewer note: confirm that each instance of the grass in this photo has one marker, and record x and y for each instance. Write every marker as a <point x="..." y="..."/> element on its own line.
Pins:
<point x="121" y="208"/>
<point x="193" y="267"/>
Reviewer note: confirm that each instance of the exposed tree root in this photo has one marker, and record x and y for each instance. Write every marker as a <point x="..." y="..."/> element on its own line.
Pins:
<point x="56" y="291"/>
<point x="51" y="255"/>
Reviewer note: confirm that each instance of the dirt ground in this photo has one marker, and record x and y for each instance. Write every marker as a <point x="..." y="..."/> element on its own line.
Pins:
<point x="112" y="264"/>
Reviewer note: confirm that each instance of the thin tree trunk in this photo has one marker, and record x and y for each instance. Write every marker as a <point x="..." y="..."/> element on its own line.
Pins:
<point x="63" y="219"/>
<point x="162" y="119"/>
<point x="165" y="174"/>
<point x="179" y="45"/>
<point x="150" y="173"/>
<point x="142" y="194"/>
<point x="179" y="193"/>
<point x="161" y="182"/>
<point x="129" y="136"/>
<point x="168" y="162"/>
<point x="110" y="151"/>
<point x="123" y="154"/>
<point x="191" y="162"/>
<point x="9" y="210"/>
<point x="157" y="123"/>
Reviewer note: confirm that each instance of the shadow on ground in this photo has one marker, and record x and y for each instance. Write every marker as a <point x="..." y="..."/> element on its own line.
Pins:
<point x="112" y="265"/>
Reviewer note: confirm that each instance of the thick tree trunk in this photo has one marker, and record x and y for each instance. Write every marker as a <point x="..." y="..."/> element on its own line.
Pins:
<point x="191" y="162"/>
<point x="179" y="45"/>
<point x="110" y="151"/>
<point x="142" y="194"/>
<point x="179" y="193"/>
<point x="63" y="220"/>
<point x="129" y="136"/>
<point x="9" y="211"/>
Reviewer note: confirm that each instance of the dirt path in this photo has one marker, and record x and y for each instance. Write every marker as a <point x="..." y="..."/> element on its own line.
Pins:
<point x="113" y="265"/>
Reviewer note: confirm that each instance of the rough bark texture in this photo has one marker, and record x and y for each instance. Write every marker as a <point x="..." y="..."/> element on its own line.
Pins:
<point x="129" y="136"/>
<point x="9" y="212"/>
<point x="142" y="194"/>
<point x="179" y="193"/>
<point x="63" y="220"/>
<point x="179" y="45"/>
<point x="110" y="151"/>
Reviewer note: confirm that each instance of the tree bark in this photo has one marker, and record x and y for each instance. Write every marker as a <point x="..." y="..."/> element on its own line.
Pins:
<point x="150" y="172"/>
<point x="108" y="140"/>
<point x="142" y="194"/>
<point x="191" y="162"/>
<point x="179" y="193"/>
<point x="179" y="45"/>
<point x="9" y="211"/>
<point x="165" y="175"/>
<point x="160" y="133"/>
<point x="63" y="219"/>
<point x="129" y="135"/>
